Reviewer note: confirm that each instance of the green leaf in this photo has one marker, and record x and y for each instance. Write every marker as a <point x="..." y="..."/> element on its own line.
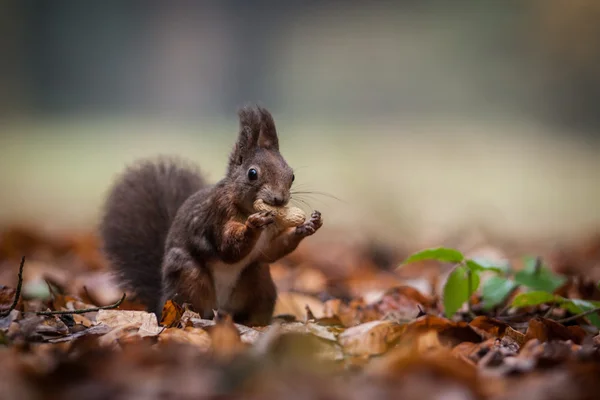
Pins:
<point x="478" y="266"/>
<point x="439" y="254"/>
<point x="538" y="279"/>
<point x="578" y="306"/>
<point x="495" y="290"/>
<point x="574" y="306"/>
<point x="456" y="290"/>
<point x="534" y="299"/>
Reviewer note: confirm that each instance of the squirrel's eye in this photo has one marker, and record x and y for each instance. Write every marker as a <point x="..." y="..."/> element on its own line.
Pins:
<point x="293" y="177"/>
<point x="252" y="174"/>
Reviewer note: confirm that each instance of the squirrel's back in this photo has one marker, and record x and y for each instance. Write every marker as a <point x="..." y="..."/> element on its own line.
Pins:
<point x="138" y="213"/>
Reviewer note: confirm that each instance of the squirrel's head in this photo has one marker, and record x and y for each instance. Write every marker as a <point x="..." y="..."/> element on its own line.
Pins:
<point x="256" y="168"/>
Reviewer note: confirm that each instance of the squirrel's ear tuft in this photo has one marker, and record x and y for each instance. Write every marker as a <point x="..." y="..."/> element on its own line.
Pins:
<point x="248" y="136"/>
<point x="267" y="137"/>
<point x="257" y="130"/>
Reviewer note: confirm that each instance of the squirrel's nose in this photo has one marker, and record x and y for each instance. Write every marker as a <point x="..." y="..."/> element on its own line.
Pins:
<point x="278" y="201"/>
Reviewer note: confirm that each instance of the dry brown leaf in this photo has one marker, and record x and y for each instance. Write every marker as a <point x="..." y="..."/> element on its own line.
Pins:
<point x="82" y="320"/>
<point x="413" y="294"/>
<point x="492" y="327"/>
<point x="91" y="332"/>
<point x="248" y="335"/>
<point x="371" y="338"/>
<point x="171" y="314"/>
<point x="518" y="337"/>
<point x="145" y="322"/>
<point x="295" y="304"/>
<point x="450" y="332"/>
<point x="467" y="351"/>
<point x="428" y="365"/>
<point x="197" y="337"/>
<point x="52" y="326"/>
<point x="61" y="302"/>
<point x="544" y="329"/>
<point x="353" y="313"/>
<point x="323" y="332"/>
<point x="225" y="338"/>
<point x="7" y="296"/>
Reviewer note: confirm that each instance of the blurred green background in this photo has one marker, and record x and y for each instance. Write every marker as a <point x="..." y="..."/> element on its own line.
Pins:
<point x="421" y="118"/>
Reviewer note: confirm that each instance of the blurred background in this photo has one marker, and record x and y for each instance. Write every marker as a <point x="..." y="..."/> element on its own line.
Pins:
<point x="410" y="120"/>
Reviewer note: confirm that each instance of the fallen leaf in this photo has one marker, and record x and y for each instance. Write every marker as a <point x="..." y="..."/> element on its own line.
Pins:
<point x="544" y="329"/>
<point x="354" y="313"/>
<point x="171" y="314"/>
<point x="197" y="337"/>
<point x="430" y="373"/>
<point x="518" y="337"/>
<point x="450" y="332"/>
<point x="371" y="338"/>
<point x="96" y="330"/>
<point x="7" y="297"/>
<point x="467" y="351"/>
<point x="492" y="327"/>
<point x="225" y="339"/>
<point x="248" y="335"/>
<point x="295" y="304"/>
<point x="82" y="319"/>
<point x="145" y="322"/>
<point x="323" y="332"/>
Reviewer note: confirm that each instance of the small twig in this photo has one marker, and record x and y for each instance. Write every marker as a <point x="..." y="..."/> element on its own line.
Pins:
<point x="421" y="312"/>
<point x="17" y="292"/>
<point x="507" y="318"/>
<point x="550" y="310"/>
<point x="574" y="317"/>
<point x="85" y="310"/>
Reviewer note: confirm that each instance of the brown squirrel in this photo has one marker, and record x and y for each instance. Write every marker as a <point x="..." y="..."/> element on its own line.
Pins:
<point x="169" y="235"/>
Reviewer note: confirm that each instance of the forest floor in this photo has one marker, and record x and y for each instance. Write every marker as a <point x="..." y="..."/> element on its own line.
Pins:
<point x="349" y="324"/>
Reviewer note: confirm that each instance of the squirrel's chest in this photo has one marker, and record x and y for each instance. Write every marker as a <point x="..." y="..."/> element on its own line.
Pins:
<point x="225" y="276"/>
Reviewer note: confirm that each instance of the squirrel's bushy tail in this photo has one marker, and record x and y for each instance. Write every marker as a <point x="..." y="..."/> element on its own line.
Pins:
<point x="138" y="212"/>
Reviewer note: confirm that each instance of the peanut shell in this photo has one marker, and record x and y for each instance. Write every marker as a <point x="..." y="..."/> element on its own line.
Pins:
<point x="285" y="216"/>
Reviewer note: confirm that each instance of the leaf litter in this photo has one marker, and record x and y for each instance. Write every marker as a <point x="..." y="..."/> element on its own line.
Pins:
<point x="344" y="328"/>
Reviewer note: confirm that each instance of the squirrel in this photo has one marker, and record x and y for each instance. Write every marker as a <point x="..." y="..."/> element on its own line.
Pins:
<point x="169" y="235"/>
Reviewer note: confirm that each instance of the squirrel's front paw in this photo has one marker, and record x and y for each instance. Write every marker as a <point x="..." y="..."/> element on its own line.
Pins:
<point x="260" y="220"/>
<point x="310" y="226"/>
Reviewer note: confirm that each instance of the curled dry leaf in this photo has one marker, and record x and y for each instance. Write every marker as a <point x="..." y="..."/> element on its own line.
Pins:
<point x="197" y="337"/>
<point x="411" y="293"/>
<point x="295" y="341"/>
<point x="225" y="339"/>
<point x="434" y="370"/>
<point x="295" y="304"/>
<point x="171" y="314"/>
<point x="402" y="303"/>
<point x="450" y="332"/>
<point x="323" y="332"/>
<point x="97" y="330"/>
<point x="7" y="296"/>
<point x="354" y="313"/>
<point x="247" y="334"/>
<point x="544" y="329"/>
<point x="467" y="352"/>
<point x="490" y="326"/>
<point x="145" y="323"/>
<point x="371" y="338"/>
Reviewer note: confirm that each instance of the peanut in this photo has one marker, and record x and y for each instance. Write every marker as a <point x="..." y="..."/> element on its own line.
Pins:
<point x="285" y="216"/>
